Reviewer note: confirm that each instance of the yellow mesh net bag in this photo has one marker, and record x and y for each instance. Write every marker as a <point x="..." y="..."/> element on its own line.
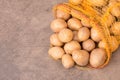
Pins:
<point x="97" y="19"/>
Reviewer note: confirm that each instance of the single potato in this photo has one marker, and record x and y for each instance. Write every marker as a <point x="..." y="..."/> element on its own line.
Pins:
<point x="83" y="34"/>
<point x="56" y="52"/>
<point x="114" y="43"/>
<point x="76" y="2"/>
<point x="102" y="44"/>
<point x="88" y="45"/>
<point x="98" y="3"/>
<point x="95" y="35"/>
<point x="86" y="22"/>
<point x="115" y="11"/>
<point x="97" y="57"/>
<point x="67" y="61"/>
<point x="115" y="29"/>
<point x="65" y="35"/>
<point x="58" y="24"/>
<point x="71" y="46"/>
<point x="81" y="57"/>
<point x="54" y="40"/>
<point x="62" y="14"/>
<point x="74" y="24"/>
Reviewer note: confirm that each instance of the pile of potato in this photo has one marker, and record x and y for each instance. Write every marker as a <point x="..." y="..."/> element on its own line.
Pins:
<point x="75" y="43"/>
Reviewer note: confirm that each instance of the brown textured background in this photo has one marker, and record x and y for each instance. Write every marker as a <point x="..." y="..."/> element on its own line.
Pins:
<point x="24" y="41"/>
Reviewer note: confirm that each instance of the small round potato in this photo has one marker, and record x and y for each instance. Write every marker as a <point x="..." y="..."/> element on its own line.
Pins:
<point x="97" y="57"/>
<point x="76" y="2"/>
<point x="62" y="14"/>
<point x="67" y="61"/>
<point x="65" y="35"/>
<point x="88" y="45"/>
<point x="83" y="34"/>
<point x="110" y="20"/>
<point x="115" y="11"/>
<point x="74" y="24"/>
<point x="115" y="29"/>
<point x="98" y="3"/>
<point x="71" y="46"/>
<point x="81" y="57"/>
<point x="58" y="24"/>
<point x="114" y="43"/>
<point x="54" y="40"/>
<point x="56" y="52"/>
<point x="86" y="22"/>
<point x="95" y="35"/>
<point x="102" y="45"/>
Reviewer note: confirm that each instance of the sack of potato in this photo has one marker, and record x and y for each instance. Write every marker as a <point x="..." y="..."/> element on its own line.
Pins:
<point x="86" y="32"/>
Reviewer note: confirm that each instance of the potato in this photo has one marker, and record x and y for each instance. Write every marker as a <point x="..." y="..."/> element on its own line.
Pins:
<point x="115" y="29"/>
<point x="76" y="2"/>
<point x="95" y="35"/>
<point x="56" y="52"/>
<point x="114" y="43"/>
<point x="115" y="11"/>
<point x="74" y="24"/>
<point x="54" y="40"/>
<point x="75" y="37"/>
<point x="118" y="0"/>
<point x="110" y="20"/>
<point x="97" y="57"/>
<point x="81" y="57"/>
<point x="58" y="24"/>
<point x="88" y="45"/>
<point x="104" y="9"/>
<point x="83" y="34"/>
<point x="62" y="14"/>
<point x="86" y="22"/>
<point x="67" y="61"/>
<point x="102" y="44"/>
<point x="65" y="35"/>
<point x="71" y="46"/>
<point x="98" y="3"/>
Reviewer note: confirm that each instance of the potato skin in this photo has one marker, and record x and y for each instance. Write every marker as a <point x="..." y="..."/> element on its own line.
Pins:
<point x="110" y="20"/>
<point x="76" y="2"/>
<point x="95" y="35"/>
<point x="71" y="46"/>
<point x="56" y="52"/>
<point x="83" y="34"/>
<point x="102" y="44"/>
<point x="86" y="22"/>
<point x="65" y="35"/>
<point x="74" y="24"/>
<point x="81" y="57"/>
<point x="62" y="14"/>
<point x="88" y="45"/>
<point x="54" y="40"/>
<point x="116" y="10"/>
<point x="67" y="61"/>
<point x="97" y="57"/>
<point x="98" y="3"/>
<point x="114" y="43"/>
<point x="115" y="29"/>
<point x="58" y="24"/>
